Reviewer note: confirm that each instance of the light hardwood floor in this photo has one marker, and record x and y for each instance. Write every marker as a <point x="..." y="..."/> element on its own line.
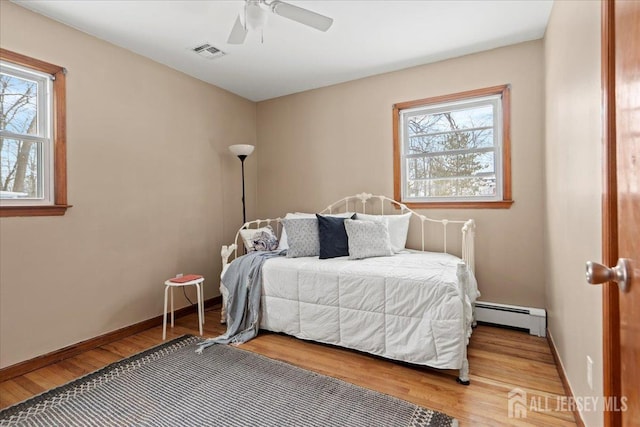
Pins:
<point x="500" y="360"/>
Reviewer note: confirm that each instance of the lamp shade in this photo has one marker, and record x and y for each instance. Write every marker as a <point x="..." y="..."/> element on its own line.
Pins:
<point x="241" y="149"/>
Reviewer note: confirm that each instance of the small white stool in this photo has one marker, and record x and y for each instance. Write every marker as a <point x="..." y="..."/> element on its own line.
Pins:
<point x="198" y="283"/>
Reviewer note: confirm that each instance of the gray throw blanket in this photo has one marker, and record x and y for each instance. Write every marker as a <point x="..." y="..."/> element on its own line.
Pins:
<point x="243" y="280"/>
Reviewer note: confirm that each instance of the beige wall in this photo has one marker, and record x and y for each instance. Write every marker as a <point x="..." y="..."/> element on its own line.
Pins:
<point x="155" y="191"/>
<point x="573" y="190"/>
<point x="321" y="145"/>
<point x="153" y="185"/>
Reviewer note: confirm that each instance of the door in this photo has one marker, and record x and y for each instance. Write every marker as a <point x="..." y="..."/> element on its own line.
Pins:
<point x="621" y="209"/>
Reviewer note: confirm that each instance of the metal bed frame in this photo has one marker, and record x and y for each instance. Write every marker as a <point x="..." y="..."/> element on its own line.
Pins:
<point x="359" y="203"/>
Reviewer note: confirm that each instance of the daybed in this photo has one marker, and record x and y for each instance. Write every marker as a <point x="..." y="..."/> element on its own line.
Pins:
<point x="415" y="306"/>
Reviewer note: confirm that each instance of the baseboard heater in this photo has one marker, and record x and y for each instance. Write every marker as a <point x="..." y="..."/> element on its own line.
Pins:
<point x="532" y="319"/>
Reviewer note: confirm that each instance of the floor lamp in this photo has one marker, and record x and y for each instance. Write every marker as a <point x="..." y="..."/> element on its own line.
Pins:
<point x="242" y="151"/>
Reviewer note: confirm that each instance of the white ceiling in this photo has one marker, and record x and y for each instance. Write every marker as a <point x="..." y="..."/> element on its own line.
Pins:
<point x="367" y="37"/>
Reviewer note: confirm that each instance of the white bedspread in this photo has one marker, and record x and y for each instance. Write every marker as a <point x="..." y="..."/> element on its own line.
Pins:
<point x="405" y="307"/>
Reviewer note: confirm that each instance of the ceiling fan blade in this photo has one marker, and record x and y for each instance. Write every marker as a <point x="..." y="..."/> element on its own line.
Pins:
<point x="238" y="33"/>
<point x="303" y="16"/>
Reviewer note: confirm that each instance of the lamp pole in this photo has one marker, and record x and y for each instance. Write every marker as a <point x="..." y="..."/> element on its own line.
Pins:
<point x="242" y="151"/>
<point x="244" y="213"/>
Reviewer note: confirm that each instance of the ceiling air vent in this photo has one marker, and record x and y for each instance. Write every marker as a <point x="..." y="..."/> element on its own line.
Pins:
<point x="207" y="51"/>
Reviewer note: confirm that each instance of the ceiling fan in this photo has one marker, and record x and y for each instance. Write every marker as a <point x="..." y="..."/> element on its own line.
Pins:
<point x="255" y="17"/>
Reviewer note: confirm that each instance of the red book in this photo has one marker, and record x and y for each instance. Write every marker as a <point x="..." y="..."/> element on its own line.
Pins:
<point x="185" y="278"/>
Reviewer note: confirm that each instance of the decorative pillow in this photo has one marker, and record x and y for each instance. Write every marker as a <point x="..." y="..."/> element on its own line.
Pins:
<point x="333" y="237"/>
<point x="368" y="239"/>
<point x="302" y="235"/>
<point x="265" y="241"/>
<point x="398" y="228"/>
<point x="259" y="239"/>
<point x="284" y="243"/>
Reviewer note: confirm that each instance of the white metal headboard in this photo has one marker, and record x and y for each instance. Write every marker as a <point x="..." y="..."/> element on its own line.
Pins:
<point x="467" y="227"/>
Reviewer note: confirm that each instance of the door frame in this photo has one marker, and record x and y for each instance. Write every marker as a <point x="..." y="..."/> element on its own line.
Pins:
<point x="610" y="293"/>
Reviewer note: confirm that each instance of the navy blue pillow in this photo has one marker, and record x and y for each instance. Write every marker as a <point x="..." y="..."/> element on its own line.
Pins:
<point x="334" y="241"/>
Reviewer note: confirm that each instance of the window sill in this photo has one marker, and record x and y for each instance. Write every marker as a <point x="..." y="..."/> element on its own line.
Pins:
<point x="51" y="210"/>
<point x="500" y="204"/>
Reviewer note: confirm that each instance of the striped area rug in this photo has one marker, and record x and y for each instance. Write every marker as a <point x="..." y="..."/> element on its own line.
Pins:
<point x="171" y="385"/>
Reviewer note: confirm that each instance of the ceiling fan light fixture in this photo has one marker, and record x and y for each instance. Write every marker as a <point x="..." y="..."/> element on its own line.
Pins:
<point x="255" y="16"/>
<point x="301" y="15"/>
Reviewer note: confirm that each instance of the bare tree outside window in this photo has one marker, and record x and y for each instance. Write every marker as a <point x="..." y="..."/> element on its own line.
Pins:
<point x="19" y="166"/>
<point x="451" y="154"/>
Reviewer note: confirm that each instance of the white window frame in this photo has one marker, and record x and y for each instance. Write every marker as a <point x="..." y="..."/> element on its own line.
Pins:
<point x="500" y="98"/>
<point x="43" y="135"/>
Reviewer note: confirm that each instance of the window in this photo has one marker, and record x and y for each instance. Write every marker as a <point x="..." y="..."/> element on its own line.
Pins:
<point x="453" y="150"/>
<point x="32" y="137"/>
